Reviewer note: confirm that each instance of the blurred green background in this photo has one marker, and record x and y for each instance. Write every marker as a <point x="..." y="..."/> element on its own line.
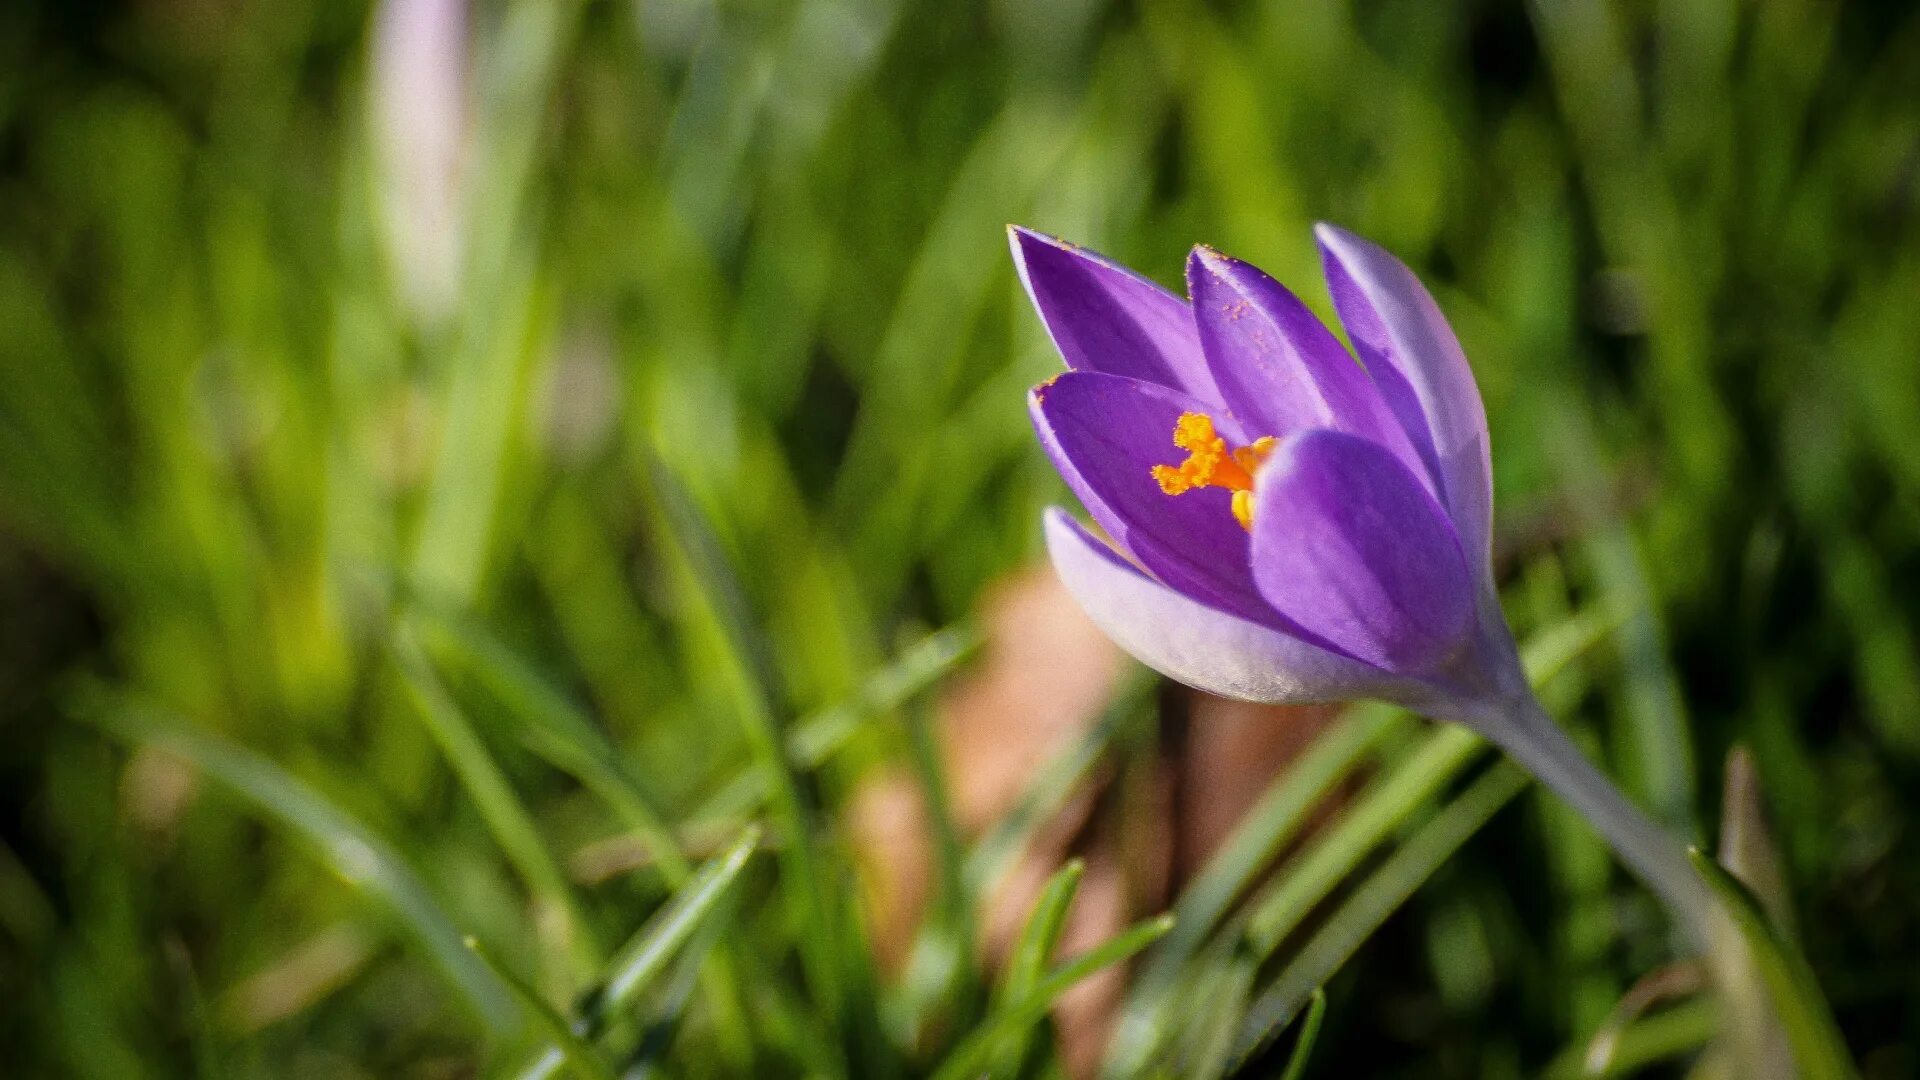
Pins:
<point x="437" y="439"/>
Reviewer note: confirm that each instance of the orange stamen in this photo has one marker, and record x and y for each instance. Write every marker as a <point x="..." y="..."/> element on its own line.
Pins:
<point x="1210" y="464"/>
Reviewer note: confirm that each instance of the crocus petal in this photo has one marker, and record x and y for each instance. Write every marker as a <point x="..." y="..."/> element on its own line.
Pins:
<point x="1417" y="362"/>
<point x="1105" y="434"/>
<point x="1104" y="317"/>
<point x="1280" y="368"/>
<point x="1350" y="546"/>
<point x="1196" y="644"/>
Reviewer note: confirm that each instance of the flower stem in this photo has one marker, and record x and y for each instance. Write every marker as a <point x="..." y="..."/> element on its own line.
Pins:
<point x="1523" y="729"/>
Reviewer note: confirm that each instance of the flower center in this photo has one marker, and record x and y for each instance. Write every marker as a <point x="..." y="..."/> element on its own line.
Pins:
<point x="1210" y="464"/>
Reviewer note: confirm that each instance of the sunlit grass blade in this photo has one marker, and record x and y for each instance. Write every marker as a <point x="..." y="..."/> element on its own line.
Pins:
<point x="641" y="960"/>
<point x="1396" y="795"/>
<point x="499" y="805"/>
<point x="644" y="956"/>
<point x="1377" y="897"/>
<point x="1387" y="803"/>
<point x="1270" y="825"/>
<point x="1683" y="1029"/>
<point x="577" y="1056"/>
<point x="954" y="901"/>
<point x="808" y="890"/>
<point x="552" y="727"/>
<point x="719" y="589"/>
<point x="1027" y="963"/>
<point x="818" y="736"/>
<point x="1309" y="1033"/>
<point x="1809" y="1026"/>
<point x="1247" y="854"/>
<point x="491" y="346"/>
<point x="1201" y="1040"/>
<point x="561" y="733"/>
<point x="359" y="856"/>
<point x="1049" y="789"/>
<point x="916" y="669"/>
<point x="1678" y="980"/>
<point x="677" y="992"/>
<point x="1548" y="652"/>
<point x="1014" y="1018"/>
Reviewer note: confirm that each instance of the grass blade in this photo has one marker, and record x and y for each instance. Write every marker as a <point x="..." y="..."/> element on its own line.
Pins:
<point x="1247" y="854"/>
<point x="1390" y="800"/>
<point x="1012" y="1021"/>
<point x="1049" y="789"/>
<point x="576" y="1054"/>
<point x="1809" y="1026"/>
<point x="916" y="669"/>
<point x="359" y="856"/>
<point x="499" y="806"/>
<point x="1379" y="896"/>
<point x="1310" y="1031"/>
<point x="675" y="994"/>
<point x="818" y="736"/>
<point x="642" y="958"/>
<point x="563" y="736"/>
<point x="1387" y="804"/>
<point x="647" y="953"/>
<point x="953" y="914"/>
<point x="1144" y="1027"/>
<point x="1028" y="961"/>
<point x="1682" y="1029"/>
<point x="720" y="592"/>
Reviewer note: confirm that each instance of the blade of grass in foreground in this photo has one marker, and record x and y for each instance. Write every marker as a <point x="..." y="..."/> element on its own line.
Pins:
<point x="574" y="1051"/>
<point x="719" y="591"/>
<point x="676" y="992"/>
<point x="1203" y="1041"/>
<point x="1144" y="1025"/>
<point x="1027" y="963"/>
<point x="1377" y="897"/>
<point x="1309" y="1033"/>
<point x="1049" y="789"/>
<point x="647" y="953"/>
<point x="359" y="856"/>
<point x="1682" y="1029"/>
<point x="499" y="805"/>
<point x="1016" y="1017"/>
<point x="839" y="971"/>
<point x="819" y="735"/>
<point x="1028" y="960"/>
<point x="1817" y="1046"/>
<point x="954" y="903"/>
<point x="560" y="733"/>
<point x="1387" y="804"/>
<point x="1247" y="854"/>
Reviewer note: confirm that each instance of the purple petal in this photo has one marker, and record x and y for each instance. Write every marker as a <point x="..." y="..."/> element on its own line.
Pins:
<point x="1416" y="361"/>
<point x="1350" y="546"/>
<point x="1105" y="434"/>
<point x="1280" y="368"/>
<point x="1104" y="317"/>
<point x="1193" y="643"/>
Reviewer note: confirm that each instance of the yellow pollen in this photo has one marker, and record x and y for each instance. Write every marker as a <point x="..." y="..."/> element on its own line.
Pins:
<point x="1210" y="464"/>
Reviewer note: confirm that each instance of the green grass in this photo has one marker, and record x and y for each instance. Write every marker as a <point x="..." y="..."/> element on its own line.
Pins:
<point x="345" y="607"/>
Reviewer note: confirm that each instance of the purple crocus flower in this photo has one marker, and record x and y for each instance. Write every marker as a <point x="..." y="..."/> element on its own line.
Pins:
<point x="1291" y="521"/>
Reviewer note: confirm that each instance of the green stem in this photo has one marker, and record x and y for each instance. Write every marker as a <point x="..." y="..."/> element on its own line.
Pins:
<point x="1522" y="728"/>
